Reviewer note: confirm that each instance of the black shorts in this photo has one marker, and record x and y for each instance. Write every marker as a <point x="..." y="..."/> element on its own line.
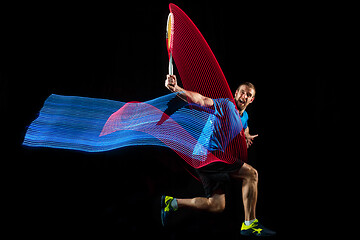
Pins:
<point x="217" y="176"/>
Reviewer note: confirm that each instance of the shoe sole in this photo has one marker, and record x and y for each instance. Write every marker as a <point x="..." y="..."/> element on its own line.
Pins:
<point x="162" y="204"/>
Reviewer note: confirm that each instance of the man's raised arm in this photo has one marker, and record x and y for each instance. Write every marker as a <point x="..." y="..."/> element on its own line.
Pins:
<point x="189" y="96"/>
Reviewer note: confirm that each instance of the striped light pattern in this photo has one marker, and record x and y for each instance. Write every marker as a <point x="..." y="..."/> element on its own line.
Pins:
<point x="95" y="125"/>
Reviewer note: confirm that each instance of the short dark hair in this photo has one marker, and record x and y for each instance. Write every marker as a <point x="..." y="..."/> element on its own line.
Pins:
<point x="249" y="84"/>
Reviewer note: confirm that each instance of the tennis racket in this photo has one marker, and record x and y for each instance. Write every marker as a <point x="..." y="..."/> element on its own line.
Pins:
<point x="170" y="40"/>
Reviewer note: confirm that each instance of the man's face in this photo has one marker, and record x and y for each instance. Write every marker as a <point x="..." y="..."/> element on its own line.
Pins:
<point x="244" y="96"/>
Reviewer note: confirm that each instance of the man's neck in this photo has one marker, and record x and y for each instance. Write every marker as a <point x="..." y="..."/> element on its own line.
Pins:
<point x="242" y="111"/>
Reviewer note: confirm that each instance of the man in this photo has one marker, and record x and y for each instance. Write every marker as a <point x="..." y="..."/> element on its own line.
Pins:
<point x="216" y="175"/>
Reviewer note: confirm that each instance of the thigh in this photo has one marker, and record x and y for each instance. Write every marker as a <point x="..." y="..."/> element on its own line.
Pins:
<point x="218" y="197"/>
<point x="245" y="171"/>
<point x="212" y="182"/>
<point x="218" y="194"/>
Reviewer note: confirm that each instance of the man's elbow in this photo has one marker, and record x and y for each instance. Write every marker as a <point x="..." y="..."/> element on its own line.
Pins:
<point x="206" y="102"/>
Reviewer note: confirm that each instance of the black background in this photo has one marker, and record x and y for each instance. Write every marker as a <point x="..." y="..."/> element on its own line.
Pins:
<point x="118" y="52"/>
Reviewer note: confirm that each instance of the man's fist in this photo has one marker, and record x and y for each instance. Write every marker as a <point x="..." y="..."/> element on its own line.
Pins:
<point x="171" y="83"/>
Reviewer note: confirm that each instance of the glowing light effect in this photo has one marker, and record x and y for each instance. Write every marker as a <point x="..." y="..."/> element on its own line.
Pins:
<point x="94" y="125"/>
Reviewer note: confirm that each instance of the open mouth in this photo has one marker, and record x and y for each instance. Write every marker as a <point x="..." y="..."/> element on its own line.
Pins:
<point x="241" y="101"/>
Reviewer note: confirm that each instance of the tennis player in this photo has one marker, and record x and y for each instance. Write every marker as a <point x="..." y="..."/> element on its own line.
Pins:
<point x="216" y="176"/>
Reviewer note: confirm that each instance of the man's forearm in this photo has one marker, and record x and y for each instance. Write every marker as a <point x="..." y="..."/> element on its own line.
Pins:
<point x="189" y="96"/>
<point x="247" y="132"/>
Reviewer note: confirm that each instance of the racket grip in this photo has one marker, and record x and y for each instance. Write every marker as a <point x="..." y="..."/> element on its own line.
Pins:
<point x="171" y="69"/>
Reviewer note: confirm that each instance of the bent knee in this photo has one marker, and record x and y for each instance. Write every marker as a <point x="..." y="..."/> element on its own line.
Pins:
<point x="254" y="176"/>
<point x="247" y="173"/>
<point x="217" y="204"/>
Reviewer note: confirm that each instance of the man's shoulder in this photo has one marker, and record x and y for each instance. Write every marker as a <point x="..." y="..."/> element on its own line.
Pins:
<point x="223" y="101"/>
<point x="224" y="106"/>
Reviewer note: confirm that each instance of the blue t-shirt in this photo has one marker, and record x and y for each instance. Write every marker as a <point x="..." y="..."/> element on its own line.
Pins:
<point x="227" y="124"/>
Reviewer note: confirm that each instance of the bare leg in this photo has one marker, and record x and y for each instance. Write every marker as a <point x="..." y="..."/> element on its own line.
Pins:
<point x="249" y="176"/>
<point x="215" y="203"/>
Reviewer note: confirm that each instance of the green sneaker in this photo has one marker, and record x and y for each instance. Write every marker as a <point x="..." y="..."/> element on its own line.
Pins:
<point x="166" y="208"/>
<point x="256" y="229"/>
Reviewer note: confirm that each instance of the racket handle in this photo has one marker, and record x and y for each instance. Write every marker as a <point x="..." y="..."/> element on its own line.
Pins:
<point x="171" y="69"/>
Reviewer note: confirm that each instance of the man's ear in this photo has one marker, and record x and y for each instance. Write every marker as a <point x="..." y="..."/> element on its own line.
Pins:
<point x="252" y="99"/>
<point x="236" y="92"/>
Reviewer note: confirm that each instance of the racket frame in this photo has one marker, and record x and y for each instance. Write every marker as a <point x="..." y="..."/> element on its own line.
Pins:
<point x="170" y="40"/>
